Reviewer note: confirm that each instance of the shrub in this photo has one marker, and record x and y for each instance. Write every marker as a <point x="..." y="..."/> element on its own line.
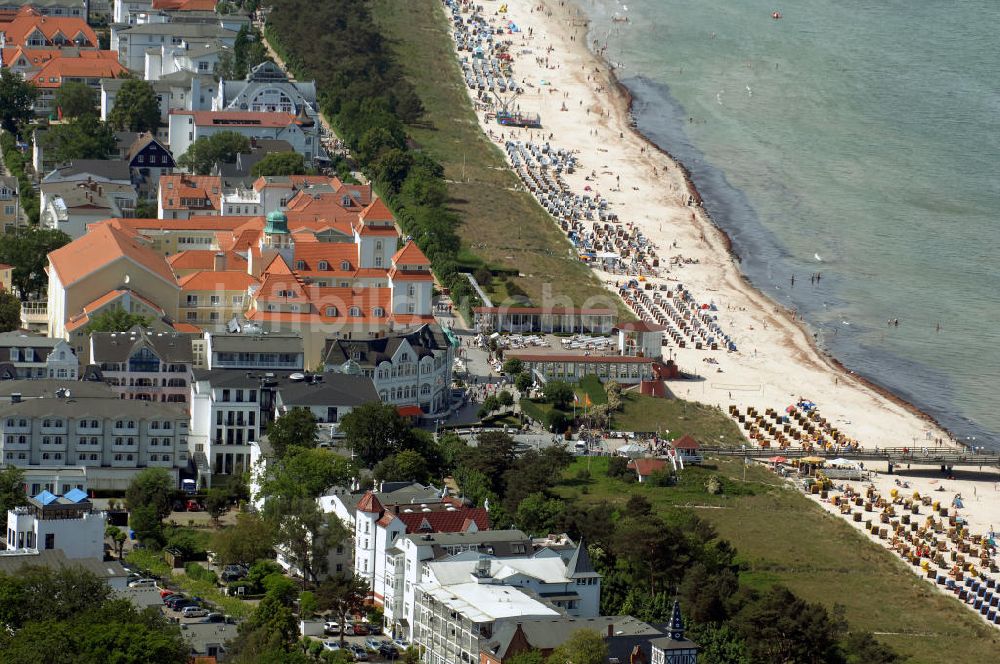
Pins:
<point x="199" y="573"/>
<point x="617" y="466"/>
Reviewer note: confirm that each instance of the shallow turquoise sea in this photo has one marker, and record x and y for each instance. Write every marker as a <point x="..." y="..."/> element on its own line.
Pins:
<point x="857" y="140"/>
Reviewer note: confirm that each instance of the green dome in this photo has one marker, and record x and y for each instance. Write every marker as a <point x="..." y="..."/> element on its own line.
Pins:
<point x="277" y="222"/>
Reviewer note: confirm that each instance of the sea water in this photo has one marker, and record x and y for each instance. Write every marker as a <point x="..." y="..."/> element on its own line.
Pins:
<point x="857" y="140"/>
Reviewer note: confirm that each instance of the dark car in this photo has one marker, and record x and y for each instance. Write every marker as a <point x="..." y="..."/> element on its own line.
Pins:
<point x="214" y="618"/>
<point x="233" y="573"/>
<point x="388" y="651"/>
<point x="169" y="599"/>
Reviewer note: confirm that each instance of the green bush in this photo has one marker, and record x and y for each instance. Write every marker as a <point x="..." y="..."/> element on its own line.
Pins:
<point x="199" y="573"/>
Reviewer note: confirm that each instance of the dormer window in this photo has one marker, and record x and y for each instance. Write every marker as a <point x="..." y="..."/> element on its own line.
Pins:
<point x="378" y="312"/>
<point x="355" y="312"/>
<point x="345" y="266"/>
<point x="324" y="266"/>
<point x="300" y="265"/>
<point x="331" y="312"/>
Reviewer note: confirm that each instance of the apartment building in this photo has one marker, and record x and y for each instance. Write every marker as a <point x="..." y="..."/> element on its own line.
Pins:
<point x="71" y="206"/>
<point x="144" y="365"/>
<point x="301" y="131"/>
<point x="53" y="424"/>
<point x="410" y="369"/>
<point x="10" y="205"/>
<point x="132" y="41"/>
<point x="27" y="356"/>
<point x="53" y="74"/>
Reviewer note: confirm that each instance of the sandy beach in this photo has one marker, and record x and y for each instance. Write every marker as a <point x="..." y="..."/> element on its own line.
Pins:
<point x="583" y="110"/>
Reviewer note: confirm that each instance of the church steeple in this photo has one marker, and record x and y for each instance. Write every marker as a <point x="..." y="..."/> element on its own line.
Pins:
<point x="676" y="623"/>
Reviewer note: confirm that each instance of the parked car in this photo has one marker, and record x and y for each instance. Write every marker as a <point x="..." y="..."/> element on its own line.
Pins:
<point x="193" y="506"/>
<point x="401" y="643"/>
<point x="360" y="654"/>
<point x="143" y="583"/>
<point x="166" y="592"/>
<point x="214" y="617"/>
<point x="234" y="573"/>
<point x="348" y="629"/>
<point x="373" y="643"/>
<point x="372" y="628"/>
<point x="194" y="612"/>
<point x="359" y="629"/>
<point x="331" y="627"/>
<point x="388" y="651"/>
<point x="331" y="644"/>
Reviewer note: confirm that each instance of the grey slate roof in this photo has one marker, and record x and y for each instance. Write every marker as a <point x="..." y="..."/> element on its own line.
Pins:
<point x="11" y="563"/>
<point x="368" y="353"/>
<point x="112" y="169"/>
<point x="171" y="348"/>
<point x="549" y="633"/>
<point x="579" y="566"/>
<point x="188" y="30"/>
<point x="46" y="387"/>
<point x="257" y="343"/>
<point x="87" y="399"/>
<point x="332" y="389"/>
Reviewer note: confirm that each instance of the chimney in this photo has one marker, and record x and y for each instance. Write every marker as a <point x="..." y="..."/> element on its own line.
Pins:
<point x="220" y="262"/>
<point x="611" y="630"/>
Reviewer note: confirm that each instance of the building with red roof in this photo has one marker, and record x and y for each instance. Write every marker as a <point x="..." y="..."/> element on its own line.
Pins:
<point x="33" y="30"/>
<point x="643" y="468"/>
<point x="300" y="131"/>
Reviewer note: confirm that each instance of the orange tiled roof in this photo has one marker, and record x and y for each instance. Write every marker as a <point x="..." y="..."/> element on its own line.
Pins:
<point x="174" y="188"/>
<point x="204" y="259"/>
<point x="377" y="211"/>
<point x="397" y="274"/>
<point x="295" y="181"/>
<point x="206" y="280"/>
<point x="410" y="254"/>
<point x="53" y="72"/>
<point x="93" y="307"/>
<point x="21" y="28"/>
<point x="334" y="253"/>
<point x="38" y="56"/>
<point x="190" y="329"/>
<point x="102" y="245"/>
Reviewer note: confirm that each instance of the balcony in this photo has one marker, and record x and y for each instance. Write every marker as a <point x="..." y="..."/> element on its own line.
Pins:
<point x="35" y="315"/>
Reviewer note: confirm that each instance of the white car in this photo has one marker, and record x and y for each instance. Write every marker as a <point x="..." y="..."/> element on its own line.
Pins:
<point x="331" y="627"/>
<point x="331" y="644"/>
<point x="143" y="583"/>
<point x="194" y="612"/>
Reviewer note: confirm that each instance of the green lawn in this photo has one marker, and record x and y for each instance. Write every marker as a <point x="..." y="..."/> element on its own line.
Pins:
<point x="706" y="423"/>
<point x="782" y="537"/>
<point x="591" y="386"/>
<point x="503" y="224"/>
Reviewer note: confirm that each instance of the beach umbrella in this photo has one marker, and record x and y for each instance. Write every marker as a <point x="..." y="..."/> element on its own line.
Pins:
<point x="778" y="459"/>
<point x="812" y="460"/>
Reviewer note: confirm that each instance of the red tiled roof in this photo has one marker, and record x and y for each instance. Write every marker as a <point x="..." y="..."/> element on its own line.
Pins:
<point x="187" y="327"/>
<point x="175" y="188"/>
<point x="22" y="27"/>
<point x="410" y="254"/>
<point x="39" y="56"/>
<point x="99" y="247"/>
<point x="686" y="442"/>
<point x="370" y="504"/>
<point x="207" y="280"/>
<point x="377" y="211"/>
<point x="458" y="521"/>
<point x="53" y="72"/>
<point x="204" y="259"/>
<point x="646" y="467"/>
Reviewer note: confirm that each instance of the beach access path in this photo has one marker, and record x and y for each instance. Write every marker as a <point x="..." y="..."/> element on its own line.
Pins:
<point x="583" y="110"/>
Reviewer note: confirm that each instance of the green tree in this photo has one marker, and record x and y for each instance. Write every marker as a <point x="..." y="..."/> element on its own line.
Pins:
<point x="505" y="399"/>
<point x="269" y="636"/>
<point x="117" y="537"/>
<point x="85" y="137"/>
<point x="405" y="466"/>
<point x="115" y="319"/>
<point x="306" y="534"/>
<point x="513" y="366"/>
<point x="527" y="657"/>
<point x="206" y="152"/>
<point x="719" y="644"/>
<point x="305" y="473"/>
<point x="280" y="163"/>
<point x="523" y="382"/>
<point x="10" y="312"/>
<point x="249" y="540"/>
<point x="148" y="528"/>
<point x="296" y="428"/>
<point x="538" y="515"/>
<point x="17" y="97"/>
<point x="490" y="404"/>
<point x="343" y="595"/>
<point x="584" y="646"/>
<point x="217" y="503"/>
<point x="558" y="393"/>
<point x="151" y="487"/>
<point x="145" y="210"/>
<point x="375" y="431"/>
<point x="12" y="492"/>
<point x="27" y="251"/>
<point x="136" y="107"/>
<point x="780" y="627"/>
<point x="76" y="100"/>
